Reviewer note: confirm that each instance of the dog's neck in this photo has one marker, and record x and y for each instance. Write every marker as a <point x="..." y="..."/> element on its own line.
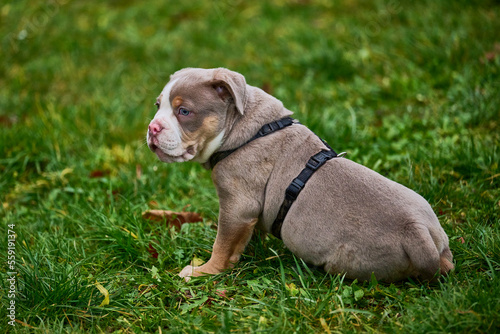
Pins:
<point x="243" y="127"/>
<point x="260" y="109"/>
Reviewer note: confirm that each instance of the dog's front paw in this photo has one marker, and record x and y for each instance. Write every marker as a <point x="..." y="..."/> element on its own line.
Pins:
<point x="192" y="271"/>
<point x="188" y="272"/>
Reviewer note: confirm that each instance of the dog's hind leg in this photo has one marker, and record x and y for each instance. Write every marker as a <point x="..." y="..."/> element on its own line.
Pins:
<point x="422" y="251"/>
<point x="446" y="261"/>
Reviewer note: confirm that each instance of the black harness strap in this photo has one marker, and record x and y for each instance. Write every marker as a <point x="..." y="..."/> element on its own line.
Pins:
<point x="264" y="131"/>
<point x="294" y="189"/>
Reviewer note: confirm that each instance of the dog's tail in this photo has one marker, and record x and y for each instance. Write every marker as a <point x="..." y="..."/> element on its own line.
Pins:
<point x="429" y="254"/>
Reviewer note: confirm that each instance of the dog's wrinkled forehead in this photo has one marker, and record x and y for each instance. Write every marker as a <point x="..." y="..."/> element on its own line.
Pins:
<point x="187" y="84"/>
<point x="204" y="81"/>
<point x="198" y="92"/>
<point x="190" y="96"/>
<point x="187" y="79"/>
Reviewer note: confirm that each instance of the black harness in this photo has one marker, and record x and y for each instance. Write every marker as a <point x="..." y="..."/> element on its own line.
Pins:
<point x="294" y="189"/>
<point x="264" y="131"/>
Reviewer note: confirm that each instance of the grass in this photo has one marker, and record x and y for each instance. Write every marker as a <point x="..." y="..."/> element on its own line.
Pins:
<point x="410" y="89"/>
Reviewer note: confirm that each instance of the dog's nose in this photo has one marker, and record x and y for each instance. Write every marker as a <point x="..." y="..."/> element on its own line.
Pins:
<point x="154" y="128"/>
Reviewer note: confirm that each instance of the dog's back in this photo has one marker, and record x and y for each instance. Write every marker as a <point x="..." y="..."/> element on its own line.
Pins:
<point x="352" y="220"/>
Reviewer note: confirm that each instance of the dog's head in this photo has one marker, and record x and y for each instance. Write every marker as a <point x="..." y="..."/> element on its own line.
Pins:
<point x="192" y="112"/>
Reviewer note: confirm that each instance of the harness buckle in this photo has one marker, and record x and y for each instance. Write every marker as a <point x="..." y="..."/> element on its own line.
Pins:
<point x="274" y="126"/>
<point x="294" y="189"/>
<point x="266" y="129"/>
<point x="317" y="160"/>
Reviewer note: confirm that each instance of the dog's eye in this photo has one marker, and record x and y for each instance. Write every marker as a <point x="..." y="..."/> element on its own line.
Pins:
<point x="157" y="104"/>
<point x="184" y="112"/>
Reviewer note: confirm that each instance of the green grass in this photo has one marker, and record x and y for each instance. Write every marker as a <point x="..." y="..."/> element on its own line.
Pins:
<point x="410" y="89"/>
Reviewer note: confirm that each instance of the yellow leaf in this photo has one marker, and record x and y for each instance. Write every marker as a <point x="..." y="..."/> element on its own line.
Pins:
<point x="196" y="262"/>
<point x="132" y="234"/>
<point x="324" y="325"/>
<point x="292" y="289"/>
<point x="41" y="183"/>
<point x="104" y="292"/>
<point x="62" y="213"/>
<point x="66" y="171"/>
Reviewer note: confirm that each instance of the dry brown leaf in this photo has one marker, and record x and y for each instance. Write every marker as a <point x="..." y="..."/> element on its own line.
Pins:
<point x="491" y="55"/>
<point x="153" y="204"/>
<point x="153" y="251"/>
<point x="8" y="121"/>
<point x="138" y="171"/>
<point x="98" y="173"/>
<point x="172" y="218"/>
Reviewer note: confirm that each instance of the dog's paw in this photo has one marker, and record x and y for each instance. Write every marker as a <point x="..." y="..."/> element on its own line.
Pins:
<point x="188" y="272"/>
<point x="193" y="271"/>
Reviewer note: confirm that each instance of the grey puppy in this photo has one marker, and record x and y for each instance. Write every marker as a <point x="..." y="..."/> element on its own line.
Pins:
<point x="347" y="219"/>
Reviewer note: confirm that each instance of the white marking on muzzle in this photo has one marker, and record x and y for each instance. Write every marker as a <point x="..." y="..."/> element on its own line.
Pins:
<point x="169" y="140"/>
<point x="165" y="113"/>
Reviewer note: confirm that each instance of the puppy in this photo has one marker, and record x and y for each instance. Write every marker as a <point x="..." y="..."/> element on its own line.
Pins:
<point x="347" y="219"/>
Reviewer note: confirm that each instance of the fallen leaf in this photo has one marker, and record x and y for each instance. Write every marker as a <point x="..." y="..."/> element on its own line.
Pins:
<point x="144" y="288"/>
<point x="153" y="204"/>
<point x="98" y="173"/>
<point x="461" y="239"/>
<point x="8" y="121"/>
<point x="153" y="251"/>
<point x="491" y="55"/>
<point x="132" y="234"/>
<point x="196" y="262"/>
<point x="104" y="292"/>
<point x="292" y="289"/>
<point x="154" y="273"/>
<point x="172" y="218"/>
<point x="323" y="323"/>
<point x="138" y="171"/>
<point x="209" y="301"/>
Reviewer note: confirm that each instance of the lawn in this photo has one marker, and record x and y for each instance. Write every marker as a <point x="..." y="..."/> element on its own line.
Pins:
<point x="409" y="89"/>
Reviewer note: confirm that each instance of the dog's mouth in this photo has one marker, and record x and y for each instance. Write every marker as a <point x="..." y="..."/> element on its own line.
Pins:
<point x="153" y="144"/>
<point x="166" y="156"/>
<point x="153" y="147"/>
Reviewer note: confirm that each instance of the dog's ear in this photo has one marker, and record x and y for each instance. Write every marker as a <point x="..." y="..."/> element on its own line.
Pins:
<point x="229" y="84"/>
